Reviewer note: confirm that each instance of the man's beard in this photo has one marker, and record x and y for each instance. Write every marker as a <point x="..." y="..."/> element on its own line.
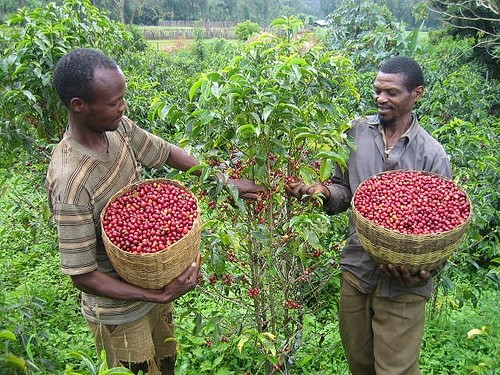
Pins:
<point x="386" y="121"/>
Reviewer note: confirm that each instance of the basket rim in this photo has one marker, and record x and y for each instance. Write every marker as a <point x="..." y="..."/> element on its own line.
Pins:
<point x="380" y="228"/>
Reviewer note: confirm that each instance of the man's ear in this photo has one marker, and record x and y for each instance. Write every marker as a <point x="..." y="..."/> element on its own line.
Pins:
<point x="419" y="92"/>
<point x="77" y="105"/>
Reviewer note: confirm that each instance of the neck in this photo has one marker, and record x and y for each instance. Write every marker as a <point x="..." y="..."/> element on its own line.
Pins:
<point x="395" y="130"/>
<point x="398" y="127"/>
<point x="92" y="140"/>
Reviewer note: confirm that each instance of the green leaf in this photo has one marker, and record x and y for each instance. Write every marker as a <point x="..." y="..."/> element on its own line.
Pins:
<point x="326" y="169"/>
<point x="308" y="174"/>
<point x="216" y="90"/>
<point x="194" y="88"/>
<point x="248" y="130"/>
<point x="331" y="155"/>
<point x="267" y="340"/>
<point x="203" y="116"/>
<point x="118" y="371"/>
<point x="86" y="360"/>
<point x="313" y="240"/>
<point x="224" y="371"/>
<point x="11" y="361"/>
<point x="217" y="361"/>
<point x="265" y="114"/>
<point x="7" y="335"/>
<point x="303" y="135"/>
<point x="166" y="110"/>
<point x="242" y="342"/>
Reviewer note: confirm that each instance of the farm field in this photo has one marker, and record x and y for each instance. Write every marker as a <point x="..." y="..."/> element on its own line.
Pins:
<point x="274" y="110"/>
<point x="171" y="45"/>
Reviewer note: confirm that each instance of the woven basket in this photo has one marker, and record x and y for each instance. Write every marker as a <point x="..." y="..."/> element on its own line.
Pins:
<point x="154" y="270"/>
<point x="414" y="251"/>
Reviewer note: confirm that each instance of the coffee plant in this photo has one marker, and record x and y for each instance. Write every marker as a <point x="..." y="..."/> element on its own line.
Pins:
<point x="32" y="41"/>
<point x="278" y="112"/>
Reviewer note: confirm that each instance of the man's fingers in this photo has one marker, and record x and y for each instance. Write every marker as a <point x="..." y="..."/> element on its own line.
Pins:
<point x="191" y="270"/>
<point x="253" y="196"/>
<point x="403" y="275"/>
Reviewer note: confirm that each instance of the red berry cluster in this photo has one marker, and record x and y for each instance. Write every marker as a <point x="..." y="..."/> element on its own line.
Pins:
<point x="150" y="217"/>
<point x="277" y="366"/>
<point x="228" y="279"/>
<point x="253" y="292"/>
<point x="412" y="202"/>
<point x="291" y="304"/>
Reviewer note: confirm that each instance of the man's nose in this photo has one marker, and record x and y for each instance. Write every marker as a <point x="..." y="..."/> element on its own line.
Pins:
<point x="380" y="98"/>
<point x="123" y="106"/>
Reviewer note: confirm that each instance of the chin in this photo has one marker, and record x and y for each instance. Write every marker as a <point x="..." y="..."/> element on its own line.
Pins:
<point x="385" y="121"/>
<point x="115" y="124"/>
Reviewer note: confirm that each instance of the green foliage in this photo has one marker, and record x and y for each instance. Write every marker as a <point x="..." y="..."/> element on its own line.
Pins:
<point x="369" y="33"/>
<point x="155" y="78"/>
<point x="460" y="338"/>
<point x="32" y="286"/>
<point x="460" y="108"/>
<point x="478" y="173"/>
<point x="101" y="368"/>
<point x="244" y="30"/>
<point x="272" y="113"/>
<point x="10" y="362"/>
<point x="477" y="19"/>
<point x="33" y="41"/>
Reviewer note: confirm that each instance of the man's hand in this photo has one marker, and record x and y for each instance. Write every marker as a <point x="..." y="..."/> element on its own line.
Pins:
<point x="247" y="189"/>
<point x="403" y="276"/>
<point x="299" y="190"/>
<point x="183" y="283"/>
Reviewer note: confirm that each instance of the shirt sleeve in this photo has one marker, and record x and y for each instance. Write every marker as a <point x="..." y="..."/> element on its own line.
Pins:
<point x="150" y="150"/>
<point x="442" y="166"/>
<point x="77" y="238"/>
<point x="340" y="193"/>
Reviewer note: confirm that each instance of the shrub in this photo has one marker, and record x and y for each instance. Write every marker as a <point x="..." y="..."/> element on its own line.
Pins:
<point x="274" y="113"/>
<point x="245" y="30"/>
<point x="33" y="42"/>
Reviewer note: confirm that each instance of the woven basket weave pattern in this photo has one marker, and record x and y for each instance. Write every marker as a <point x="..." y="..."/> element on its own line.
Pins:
<point x="154" y="270"/>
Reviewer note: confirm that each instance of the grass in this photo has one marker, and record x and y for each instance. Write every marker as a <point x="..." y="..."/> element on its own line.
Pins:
<point x="449" y="345"/>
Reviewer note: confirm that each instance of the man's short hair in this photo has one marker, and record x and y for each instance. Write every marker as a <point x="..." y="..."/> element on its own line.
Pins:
<point x="74" y="74"/>
<point x="409" y="68"/>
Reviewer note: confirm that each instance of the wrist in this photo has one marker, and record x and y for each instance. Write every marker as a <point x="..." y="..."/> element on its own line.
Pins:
<point x="326" y="193"/>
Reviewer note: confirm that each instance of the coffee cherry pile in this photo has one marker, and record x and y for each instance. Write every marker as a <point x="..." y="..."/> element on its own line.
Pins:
<point x="150" y="217"/>
<point x="412" y="202"/>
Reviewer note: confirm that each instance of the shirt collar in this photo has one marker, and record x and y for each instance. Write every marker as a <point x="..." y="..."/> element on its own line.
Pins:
<point x="409" y="133"/>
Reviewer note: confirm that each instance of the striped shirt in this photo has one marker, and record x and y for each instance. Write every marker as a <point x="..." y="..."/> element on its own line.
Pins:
<point x="79" y="183"/>
<point x="415" y="150"/>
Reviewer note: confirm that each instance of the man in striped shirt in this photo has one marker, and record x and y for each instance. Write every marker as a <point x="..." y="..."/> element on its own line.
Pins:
<point x="101" y="152"/>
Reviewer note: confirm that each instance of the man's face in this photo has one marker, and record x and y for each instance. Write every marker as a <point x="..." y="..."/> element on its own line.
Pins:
<point x="393" y="100"/>
<point x="108" y="107"/>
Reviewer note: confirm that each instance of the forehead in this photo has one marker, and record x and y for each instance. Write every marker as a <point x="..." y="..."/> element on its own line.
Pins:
<point x="108" y="83"/>
<point x="389" y="81"/>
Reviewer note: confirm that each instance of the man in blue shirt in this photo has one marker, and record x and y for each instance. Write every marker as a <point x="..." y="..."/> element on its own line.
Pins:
<point x="382" y="307"/>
